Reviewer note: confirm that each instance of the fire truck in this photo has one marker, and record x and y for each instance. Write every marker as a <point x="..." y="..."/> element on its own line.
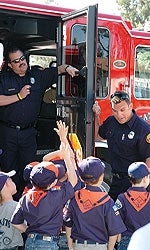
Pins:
<point x="108" y="53"/>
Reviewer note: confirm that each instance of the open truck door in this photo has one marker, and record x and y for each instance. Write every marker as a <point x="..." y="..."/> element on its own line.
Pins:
<point x="75" y="96"/>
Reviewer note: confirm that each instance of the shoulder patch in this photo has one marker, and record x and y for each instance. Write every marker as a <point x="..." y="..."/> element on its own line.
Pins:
<point x="117" y="205"/>
<point x="148" y="138"/>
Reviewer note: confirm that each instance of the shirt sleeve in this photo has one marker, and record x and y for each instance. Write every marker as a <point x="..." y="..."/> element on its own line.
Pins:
<point x="49" y="76"/>
<point x="17" y="217"/>
<point x="144" y="144"/>
<point x="104" y="128"/>
<point x="114" y="221"/>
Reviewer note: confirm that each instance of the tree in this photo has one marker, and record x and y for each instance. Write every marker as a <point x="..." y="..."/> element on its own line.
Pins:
<point x="137" y="11"/>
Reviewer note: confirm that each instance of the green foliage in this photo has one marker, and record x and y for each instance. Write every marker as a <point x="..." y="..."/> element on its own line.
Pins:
<point x="137" y="11"/>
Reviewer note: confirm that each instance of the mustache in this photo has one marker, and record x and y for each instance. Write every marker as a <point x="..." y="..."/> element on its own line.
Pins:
<point x="22" y="64"/>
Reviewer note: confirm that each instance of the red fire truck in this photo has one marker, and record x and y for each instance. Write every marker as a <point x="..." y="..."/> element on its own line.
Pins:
<point x="109" y="54"/>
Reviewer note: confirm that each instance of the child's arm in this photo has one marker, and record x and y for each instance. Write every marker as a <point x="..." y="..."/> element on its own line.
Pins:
<point x="68" y="234"/>
<point x="21" y="227"/>
<point x="62" y="131"/>
<point x="66" y="152"/>
<point x="119" y="238"/>
<point x="112" y="241"/>
<point x="50" y="156"/>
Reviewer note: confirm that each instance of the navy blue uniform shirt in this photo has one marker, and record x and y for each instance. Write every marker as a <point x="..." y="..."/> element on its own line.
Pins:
<point x="25" y="111"/>
<point x="135" y="216"/>
<point x="95" y="224"/>
<point x="47" y="216"/>
<point x="127" y="143"/>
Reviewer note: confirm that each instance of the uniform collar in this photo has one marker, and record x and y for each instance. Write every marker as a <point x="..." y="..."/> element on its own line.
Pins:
<point x="93" y="188"/>
<point x="139" y="189"/>
<point x="132" y="120"/>
<point x="28" y="72"/>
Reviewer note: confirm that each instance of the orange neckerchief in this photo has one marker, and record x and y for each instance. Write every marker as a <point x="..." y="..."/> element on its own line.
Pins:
<point x="36" y="195"/>
<point x="137" y="199"/>
<point x="87" y="199"/>
<point x="26" y="189"/>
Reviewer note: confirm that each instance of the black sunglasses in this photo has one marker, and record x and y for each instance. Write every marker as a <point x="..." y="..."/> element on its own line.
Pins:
<point x="121" y="96"/>
<point x="21" y="58"/>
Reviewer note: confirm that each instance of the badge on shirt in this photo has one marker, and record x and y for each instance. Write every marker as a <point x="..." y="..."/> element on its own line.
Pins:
<point x="148" y="138"/>
<point x="131" y="135"/>
<point x="117" y="205"/>
<point x="32" y="80"/>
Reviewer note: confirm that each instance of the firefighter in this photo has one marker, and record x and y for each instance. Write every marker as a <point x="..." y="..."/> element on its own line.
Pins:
<point x="21" y="94"/>
<point x="128" y="138"/>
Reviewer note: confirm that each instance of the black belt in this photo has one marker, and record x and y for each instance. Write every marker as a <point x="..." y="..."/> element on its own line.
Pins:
<point x="120" y="175"/>
<point x="87" y="242"/>
<point x="18" y="127"/>
<point x="43" y="237"/>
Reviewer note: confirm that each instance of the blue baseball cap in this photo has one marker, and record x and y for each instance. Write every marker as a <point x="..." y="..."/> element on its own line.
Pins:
<point x="27" y="170"/>
<point x="91" y="168"/>
<point x="4" y="177"/>
<point x="45" y="173"/>
<point x="138" y="170"/>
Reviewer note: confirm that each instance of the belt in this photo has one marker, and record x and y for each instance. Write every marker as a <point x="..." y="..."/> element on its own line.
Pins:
<point x="43" y="237"/>
<point x="85" y="242"/>
<point x="18" y="127"/>
<point x="120" y="175"/>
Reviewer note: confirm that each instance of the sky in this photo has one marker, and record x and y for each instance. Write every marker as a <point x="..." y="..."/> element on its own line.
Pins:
<point x="104" y="6"/>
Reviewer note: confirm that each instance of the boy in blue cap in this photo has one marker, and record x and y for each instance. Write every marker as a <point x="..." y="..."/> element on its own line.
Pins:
<point x="10" y="237"/>
<point x="91" y="221"/>
<point x="42" y="206"/>
<point x="134" y="204"/>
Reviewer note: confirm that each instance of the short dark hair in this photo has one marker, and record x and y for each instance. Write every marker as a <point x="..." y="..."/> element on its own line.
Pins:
<point x="134" y="181"/>
<point x="93" y="182"/>
<point x="11" y="48"/>
<point x="119" y="96"/>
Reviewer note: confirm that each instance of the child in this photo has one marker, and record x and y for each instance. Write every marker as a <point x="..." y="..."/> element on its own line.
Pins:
<point x="26" y="176"/>
<point x="134" y="204"/>
<point x="42" y="206"/>
<point x="94" y="224"/>
<point x="56" y="158"/>
<point x="10" y="238"/>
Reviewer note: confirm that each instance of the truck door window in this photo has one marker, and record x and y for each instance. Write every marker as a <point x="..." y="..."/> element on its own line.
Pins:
<point x="142" y="73"/>
<point x="78" y="36"/>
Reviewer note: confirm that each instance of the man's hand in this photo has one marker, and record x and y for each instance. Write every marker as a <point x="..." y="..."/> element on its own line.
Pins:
<point x="25" y="91"/>
<point x="96" y="108"/>
<point x="71" y="70"/>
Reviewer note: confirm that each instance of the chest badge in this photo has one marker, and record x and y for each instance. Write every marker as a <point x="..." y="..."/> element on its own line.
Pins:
<point x="148" y="138"/>
<point x="131" y="135"/>
<point x="32" y="80"/>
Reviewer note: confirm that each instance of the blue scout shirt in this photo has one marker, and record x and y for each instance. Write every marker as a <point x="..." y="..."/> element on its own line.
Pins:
<point x="98" y="221"/>
<point x="25" y="111"/>
<point x="134" y="208"/>
<point x="46" y="216"/>
<point x="127" y="142"/>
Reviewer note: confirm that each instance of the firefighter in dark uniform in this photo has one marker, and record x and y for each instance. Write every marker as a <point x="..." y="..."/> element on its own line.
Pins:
<point x="21" y="94"/>
<point x="128" y="138"/>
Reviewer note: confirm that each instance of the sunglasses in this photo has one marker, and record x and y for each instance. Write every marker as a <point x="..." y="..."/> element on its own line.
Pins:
<point x="121" y="96"/>
<point x="23" y="57"/>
